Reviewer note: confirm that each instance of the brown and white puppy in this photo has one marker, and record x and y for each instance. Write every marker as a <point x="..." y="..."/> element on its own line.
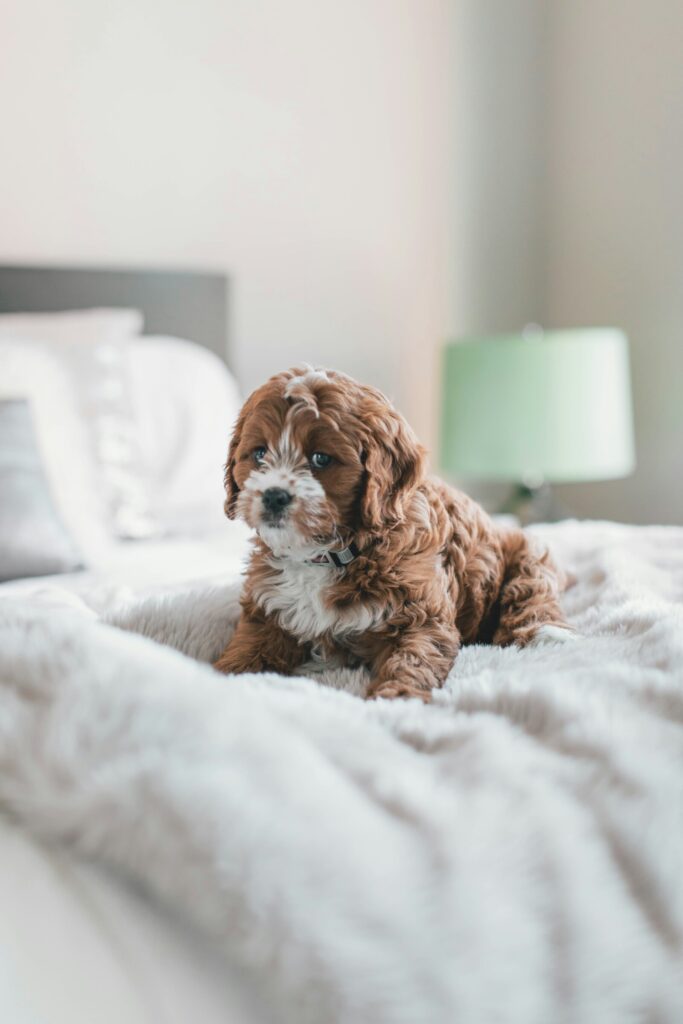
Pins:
<point x="359" y="557"/>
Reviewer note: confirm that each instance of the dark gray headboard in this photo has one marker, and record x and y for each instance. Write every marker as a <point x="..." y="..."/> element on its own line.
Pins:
<point x="186" y="304"/>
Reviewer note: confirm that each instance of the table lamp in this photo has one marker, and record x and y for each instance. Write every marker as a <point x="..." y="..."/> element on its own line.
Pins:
<point x="537" y="408"/>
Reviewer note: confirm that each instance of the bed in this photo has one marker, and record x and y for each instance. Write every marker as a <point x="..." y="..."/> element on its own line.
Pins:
<point x="178" y="845"/>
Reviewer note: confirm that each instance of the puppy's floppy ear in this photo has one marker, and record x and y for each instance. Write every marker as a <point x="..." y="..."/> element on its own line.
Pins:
<point x="231" y="489"/>
<point x="394" y="466"/>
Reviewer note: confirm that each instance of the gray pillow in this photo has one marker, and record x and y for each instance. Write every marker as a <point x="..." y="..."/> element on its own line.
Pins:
<point x="33" y="539"/>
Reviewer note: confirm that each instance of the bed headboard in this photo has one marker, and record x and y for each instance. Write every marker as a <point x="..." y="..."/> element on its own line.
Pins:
<point x="187" y="304"/>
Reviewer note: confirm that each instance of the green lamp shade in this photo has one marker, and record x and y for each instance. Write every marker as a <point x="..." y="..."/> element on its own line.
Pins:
<point x="553" y="405"/>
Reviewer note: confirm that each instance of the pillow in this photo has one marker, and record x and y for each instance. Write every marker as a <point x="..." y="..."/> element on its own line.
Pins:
<point x="30" y="372"/>
<point x="185" y="403"/>
<point x="33" y="538"/>
<point x="92" y="347"/>
<point x="73" y="325"/>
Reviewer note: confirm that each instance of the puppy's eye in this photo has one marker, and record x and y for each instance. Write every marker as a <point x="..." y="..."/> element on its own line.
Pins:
<point x="319" y="460"/>
<point x="259" y="454"/>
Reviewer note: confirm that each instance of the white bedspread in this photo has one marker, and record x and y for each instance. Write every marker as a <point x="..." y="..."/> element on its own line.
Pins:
<point x="512" y="853"/>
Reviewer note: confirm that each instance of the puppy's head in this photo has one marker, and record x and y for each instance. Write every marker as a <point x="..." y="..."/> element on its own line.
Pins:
<point x="317" y="458"/>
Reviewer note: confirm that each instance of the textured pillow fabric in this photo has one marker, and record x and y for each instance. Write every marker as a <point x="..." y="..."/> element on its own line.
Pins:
<point x="33" y="538"/>
<point x="30" y="372"/>
<point x="100" y="372"/>
<point x="92" y="346"/>
<point x="185" y="404"/>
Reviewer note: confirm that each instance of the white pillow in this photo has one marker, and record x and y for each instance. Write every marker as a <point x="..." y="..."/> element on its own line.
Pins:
<point x="186" y="403"/>
<point x="73" y="325"/>
<point x="30" y="371"/>
<point x="91" y="345"/>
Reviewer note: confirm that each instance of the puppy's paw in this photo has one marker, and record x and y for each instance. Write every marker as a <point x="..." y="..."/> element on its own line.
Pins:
<point x="393" y="688"/>
<point x="235" y="667"/>
<point x="548" y="635"/>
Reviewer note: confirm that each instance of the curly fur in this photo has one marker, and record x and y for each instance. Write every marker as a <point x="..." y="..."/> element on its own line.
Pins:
<point x="434" y="571"/>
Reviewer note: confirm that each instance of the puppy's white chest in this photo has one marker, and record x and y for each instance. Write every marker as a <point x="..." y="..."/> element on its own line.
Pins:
<point x="298" y="596"/>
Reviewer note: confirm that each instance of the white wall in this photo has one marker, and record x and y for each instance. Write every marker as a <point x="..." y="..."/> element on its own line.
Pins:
<point x="375" y="175"/>
<point x="303" y="147"/>
<point x="615" y="228"/>
<point x="499" y="176"/>
<point x="569" y="202"/>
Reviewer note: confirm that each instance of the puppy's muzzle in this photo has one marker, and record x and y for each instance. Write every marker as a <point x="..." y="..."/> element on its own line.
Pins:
<point x="275" y="501"/>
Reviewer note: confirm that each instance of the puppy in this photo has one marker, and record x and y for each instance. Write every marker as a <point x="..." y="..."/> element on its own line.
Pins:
<point x="359" y="557"/>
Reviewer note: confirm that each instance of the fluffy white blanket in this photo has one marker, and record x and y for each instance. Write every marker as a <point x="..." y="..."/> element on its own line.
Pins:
<point x="512" y="853"/>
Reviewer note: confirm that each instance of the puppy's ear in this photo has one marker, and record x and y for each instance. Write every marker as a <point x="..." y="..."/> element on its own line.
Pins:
<point x="394" y="466"/>
<point x="231" y="489"/>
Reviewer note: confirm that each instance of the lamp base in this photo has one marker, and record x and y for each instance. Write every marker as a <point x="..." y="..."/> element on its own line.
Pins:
<point x="534" y="503"/>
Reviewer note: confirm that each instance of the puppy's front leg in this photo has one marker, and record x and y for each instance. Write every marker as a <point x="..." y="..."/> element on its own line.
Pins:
<point x="416" y="662"/>
<point x="259" y="645"/>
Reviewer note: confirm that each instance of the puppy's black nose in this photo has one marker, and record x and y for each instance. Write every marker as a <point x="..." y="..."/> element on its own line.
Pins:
<point x="276" y="499"/>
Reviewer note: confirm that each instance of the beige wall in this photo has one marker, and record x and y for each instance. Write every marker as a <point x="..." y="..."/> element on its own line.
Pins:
<point x="569" y="205"/>
<point x="615" y="220"/>
<point x="308" y="148"/>
<point x="304" y="147"/>
<point x="499" y="178"/>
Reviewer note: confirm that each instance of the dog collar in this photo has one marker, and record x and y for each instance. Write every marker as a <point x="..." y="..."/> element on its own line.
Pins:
<point x="339" y="559"/>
